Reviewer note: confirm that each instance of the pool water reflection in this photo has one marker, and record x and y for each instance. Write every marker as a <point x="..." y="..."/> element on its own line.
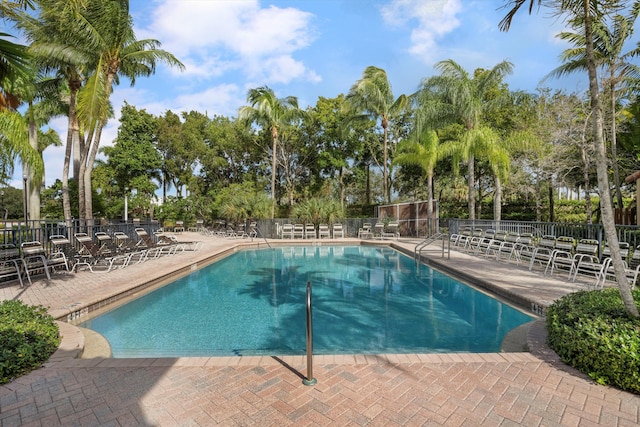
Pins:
<point x="366" y="300"/>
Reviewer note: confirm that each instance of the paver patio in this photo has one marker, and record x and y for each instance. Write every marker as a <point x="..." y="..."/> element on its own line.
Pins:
<point x="531" y="389"/>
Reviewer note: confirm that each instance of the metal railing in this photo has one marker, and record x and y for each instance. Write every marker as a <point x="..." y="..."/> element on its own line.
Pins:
<point x="446" y="245"/>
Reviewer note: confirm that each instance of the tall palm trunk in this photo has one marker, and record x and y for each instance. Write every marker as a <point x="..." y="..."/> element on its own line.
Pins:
<point x="73" y="134"/>
<point x="430" y="219"/>
<point x="385" y="178"/>
<point x="614" y="148"/>
<point x="497" y="200"/>
<point x="606" y="206"/>
<point x="471" y="187"/>
<point x="274" y="166"/>
<point x="33" y="205"/>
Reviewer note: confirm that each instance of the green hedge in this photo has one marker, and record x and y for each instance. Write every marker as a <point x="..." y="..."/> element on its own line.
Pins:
<point x="592" y="332"/>
<point x="28" y="336"/>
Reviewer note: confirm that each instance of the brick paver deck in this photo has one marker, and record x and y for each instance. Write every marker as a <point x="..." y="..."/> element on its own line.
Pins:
<point x="531" y="389"/>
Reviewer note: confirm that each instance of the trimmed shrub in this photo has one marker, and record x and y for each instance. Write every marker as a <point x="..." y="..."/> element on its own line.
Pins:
<point x="28" y="337"/>
<point x="591" y="331"/>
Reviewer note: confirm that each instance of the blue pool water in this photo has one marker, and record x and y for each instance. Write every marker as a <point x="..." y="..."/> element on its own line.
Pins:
<point x="365" y="300"/>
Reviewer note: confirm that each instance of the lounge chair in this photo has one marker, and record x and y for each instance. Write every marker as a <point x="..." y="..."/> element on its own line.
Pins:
<point x="564" y="257"/>
<point x="298" y="231"/>
<point x="324" y="231"/>
<point x="179" y="227"/>
<point x="287" y="231"/>
<point x="541" y="253"/>
<point x="91" y="257"/>
<point x="338" y="231"/>
<point x="480" y="245"/>
<point x="310" y="231"/>
<point x="365" y="231"/>
<point x="10" y="263"/>
<point x="153" y="249"/>
<point x="35" y="260"/>
<point x="378" y="230"/>
<point x="508" y="246"/>
<point x="493" y="248"/>
<point x="391" y="231"/>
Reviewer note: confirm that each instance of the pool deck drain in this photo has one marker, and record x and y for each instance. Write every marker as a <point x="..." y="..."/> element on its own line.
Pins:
<point x="532" y="388"/>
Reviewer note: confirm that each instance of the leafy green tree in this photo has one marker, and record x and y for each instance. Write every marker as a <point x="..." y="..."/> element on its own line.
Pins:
<point x="423" y="150"/>
<point x="238" y="202"/>
<point x="133" y="159"/>
<point x="621" y="74"/>
<point x="463" y="99"/>
<point x="270" y="113"/>
<point x="108" y="29"/>
<point x="585" y="16"/>
<point x="318" y="210"/>
<point x="371" y="97"/>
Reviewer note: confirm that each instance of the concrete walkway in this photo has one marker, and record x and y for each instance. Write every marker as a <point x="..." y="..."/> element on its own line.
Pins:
<point x="532" y="389"/>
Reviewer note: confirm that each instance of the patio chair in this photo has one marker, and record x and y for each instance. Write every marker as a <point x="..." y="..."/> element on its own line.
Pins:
<point x="495" y="243"/>
<point x="35" y="260"/>
<point x="298" y="231"/>
<point x="608" y="273"/>
<point x="179" y="227"/>
<point x="10" y="262"/>
<point x="507" y="246"/>
<point x="365" y="231"/>
<point x="483" y="243"/>
<point x="287" y="231"/>
<point x="338" y="231"/>
<point x="310" y="231"/>
<point x="624" y="250"/>
<point x="324" y="231"/>
<point x="391" y="231"/>
<point x="378" y="230"/>
<point x="153" y="249"/>
<point x="543" y="252"/>
<point x="567" y="254"/>
<point x="126" y="245"/>
<point x="90" y="256"/>
<point x="107" y="246"/>
<point x="459" y="240"/>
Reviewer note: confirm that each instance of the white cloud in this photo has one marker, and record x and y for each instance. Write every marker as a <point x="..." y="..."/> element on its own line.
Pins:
<point x="216" y="37"/>
<point x="435" y="19"/>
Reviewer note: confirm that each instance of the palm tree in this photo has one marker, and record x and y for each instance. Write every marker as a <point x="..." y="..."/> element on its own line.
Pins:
<point x="60" y="54"/>
<point x="371" y="97"/>
<point x="463" y="99"/>
<point x="271" y="114"/>
<point x="590" y="12"/>
<point x="608" y="45"/>
<point x="422" y="149"/>
<point x="109" y="29"/>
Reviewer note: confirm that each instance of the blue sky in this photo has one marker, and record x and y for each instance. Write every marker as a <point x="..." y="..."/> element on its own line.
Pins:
<point x="312" y="48"/>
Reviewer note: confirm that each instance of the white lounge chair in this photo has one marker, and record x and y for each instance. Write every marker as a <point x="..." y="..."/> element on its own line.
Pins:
<point x="338" y="231"/>
<point x="324" y="231"/>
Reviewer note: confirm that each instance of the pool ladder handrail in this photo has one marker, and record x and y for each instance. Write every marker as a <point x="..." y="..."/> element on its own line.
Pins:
<point x="429" y="240"/>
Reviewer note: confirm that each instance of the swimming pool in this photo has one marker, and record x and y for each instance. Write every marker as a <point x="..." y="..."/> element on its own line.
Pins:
<point x="366" y="300"/>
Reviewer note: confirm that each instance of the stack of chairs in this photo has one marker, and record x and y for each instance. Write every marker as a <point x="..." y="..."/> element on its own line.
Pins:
<point x="10" y="263"/>
<point x="36" y="260"/>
